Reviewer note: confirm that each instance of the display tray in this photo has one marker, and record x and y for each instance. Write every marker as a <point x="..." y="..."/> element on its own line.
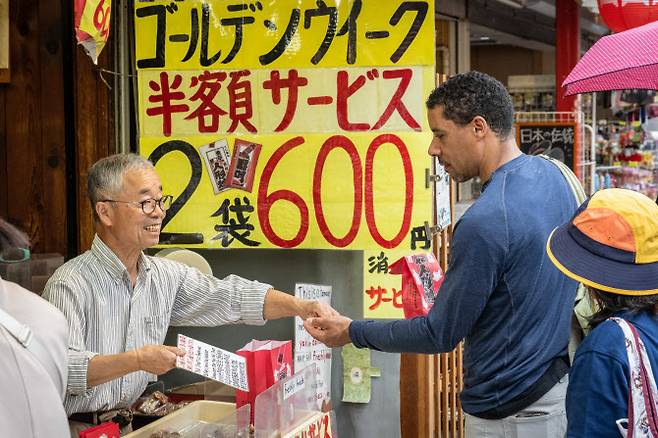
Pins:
<point x="185" y="418"/>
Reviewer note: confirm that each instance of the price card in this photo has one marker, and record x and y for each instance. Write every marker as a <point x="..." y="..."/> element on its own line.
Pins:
<point x="212" y="362"/>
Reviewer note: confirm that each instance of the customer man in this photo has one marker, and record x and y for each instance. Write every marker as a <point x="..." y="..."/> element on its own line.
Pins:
<point x="119" y="302"/>
<point x="500" y="291"/>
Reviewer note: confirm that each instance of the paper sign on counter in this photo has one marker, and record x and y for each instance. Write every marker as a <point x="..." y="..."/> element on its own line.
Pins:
<point x="212" y="362"/>
<point x="309" y="350"/>
<point x="294" y="385"/>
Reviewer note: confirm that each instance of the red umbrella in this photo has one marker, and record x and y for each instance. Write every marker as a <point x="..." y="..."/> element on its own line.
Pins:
<point x="621" y="61"/>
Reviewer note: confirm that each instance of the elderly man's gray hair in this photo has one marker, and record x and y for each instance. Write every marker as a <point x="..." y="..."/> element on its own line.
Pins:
<point x="105" y="177"/>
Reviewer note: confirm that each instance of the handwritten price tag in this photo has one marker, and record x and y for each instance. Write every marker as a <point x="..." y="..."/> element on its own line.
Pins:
<point x="212" y="362"/>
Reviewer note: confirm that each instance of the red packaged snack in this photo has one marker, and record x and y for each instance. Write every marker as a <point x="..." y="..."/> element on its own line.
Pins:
<point x="243" y="165"/>
<point x="421" y="279"/>
<point x="103" y="430"/>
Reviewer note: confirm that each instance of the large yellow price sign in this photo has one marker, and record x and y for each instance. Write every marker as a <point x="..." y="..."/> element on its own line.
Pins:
<point x="311" y="191"/>
<point x="291" y="124"/>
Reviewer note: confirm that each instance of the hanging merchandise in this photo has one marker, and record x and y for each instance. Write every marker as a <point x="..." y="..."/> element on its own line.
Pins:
<point x="421" y="279"/>
<point x="620" y="15"/>
<point x="626" y="156"/>
<point x="357" y="374"/>
<point x="92" y="25"/>
<point x="650" y="126"/>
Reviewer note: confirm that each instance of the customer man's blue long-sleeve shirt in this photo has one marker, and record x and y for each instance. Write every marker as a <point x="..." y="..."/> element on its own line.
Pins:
<point x="500" y="292"/>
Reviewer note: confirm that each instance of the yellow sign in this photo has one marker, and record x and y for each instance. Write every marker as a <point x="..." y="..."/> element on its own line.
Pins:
<point x="216" y="34"/>
<point x="291" y="124"/>
<point x="218" y="102"/>
<point x="307" y="191"/>
<point x="382" y="292"/>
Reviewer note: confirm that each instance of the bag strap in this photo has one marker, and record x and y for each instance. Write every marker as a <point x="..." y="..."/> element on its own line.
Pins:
<point x="570" y="177"/>
<point x="582" y="305"/>
<point x="648" y="383"/>
<point x="642" y="391"/>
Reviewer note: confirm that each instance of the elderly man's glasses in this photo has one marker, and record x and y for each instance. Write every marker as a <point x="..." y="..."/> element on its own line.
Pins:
<point x="148" y="206"/>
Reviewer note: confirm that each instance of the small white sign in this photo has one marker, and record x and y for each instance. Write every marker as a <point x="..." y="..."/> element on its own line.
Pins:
<point x="212" y="362"/>
<point x="307" y="349"/>
<point x="442" y="196"/>
<point x="294" y="385"/>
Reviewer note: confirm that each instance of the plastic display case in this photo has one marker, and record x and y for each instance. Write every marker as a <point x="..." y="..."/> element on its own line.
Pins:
<point x="200" y="419"/>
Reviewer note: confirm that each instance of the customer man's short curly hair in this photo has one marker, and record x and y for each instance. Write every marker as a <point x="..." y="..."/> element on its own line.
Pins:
<point x="473" y="94"/>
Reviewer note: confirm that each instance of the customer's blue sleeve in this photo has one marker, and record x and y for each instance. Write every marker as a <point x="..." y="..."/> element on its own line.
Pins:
<point x="478" y="257"/>
<point x="597" y="395"/>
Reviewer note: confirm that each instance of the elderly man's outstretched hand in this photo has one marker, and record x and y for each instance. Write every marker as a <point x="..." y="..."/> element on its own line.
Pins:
<point x="310" y="309"/>
<point x="333" y="330"/>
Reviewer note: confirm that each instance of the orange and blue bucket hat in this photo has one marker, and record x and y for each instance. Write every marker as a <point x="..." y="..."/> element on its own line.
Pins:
<point x="610" y="244"/>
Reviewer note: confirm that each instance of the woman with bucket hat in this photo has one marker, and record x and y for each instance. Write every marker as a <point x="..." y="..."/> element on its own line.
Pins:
<point x="611" y="246"/>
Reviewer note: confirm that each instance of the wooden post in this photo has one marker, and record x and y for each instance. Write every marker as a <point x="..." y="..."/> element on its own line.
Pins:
<point x="4" y="41"/>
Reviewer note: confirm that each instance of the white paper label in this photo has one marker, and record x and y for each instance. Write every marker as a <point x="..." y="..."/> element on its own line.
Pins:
<point x="212" y="362"/>
<point x="293" y="385"/>
<point x="307" y="349"/>
<point x="442" y="196"/>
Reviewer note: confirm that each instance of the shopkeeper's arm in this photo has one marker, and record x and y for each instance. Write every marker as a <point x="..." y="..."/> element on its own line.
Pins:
<point x="205" y="300"/>
<point x="281" y="305"/>
<point x="155" y="359"/>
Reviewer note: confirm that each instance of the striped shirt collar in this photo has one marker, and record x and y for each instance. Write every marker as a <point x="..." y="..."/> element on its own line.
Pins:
<point x="111" y="261"/>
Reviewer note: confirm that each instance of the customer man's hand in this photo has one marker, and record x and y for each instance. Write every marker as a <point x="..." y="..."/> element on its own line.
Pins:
<point x="157" y="359"/>
<point x="310" y="308"/>
<point x="332" y="331"/>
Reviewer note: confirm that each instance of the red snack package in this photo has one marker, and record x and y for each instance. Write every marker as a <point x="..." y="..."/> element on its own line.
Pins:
<point x="107" y="430"/>
<point x="421" y="279"/>
<point x="243" y="165"/>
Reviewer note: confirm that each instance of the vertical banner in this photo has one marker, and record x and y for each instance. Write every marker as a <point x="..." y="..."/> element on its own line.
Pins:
<point x="92" y="25"/>
<point x="290" y="123"/>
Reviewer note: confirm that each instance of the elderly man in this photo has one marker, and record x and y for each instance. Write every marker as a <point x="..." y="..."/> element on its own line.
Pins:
<point x="500" y="291"/>
<point x="119" y="302"/>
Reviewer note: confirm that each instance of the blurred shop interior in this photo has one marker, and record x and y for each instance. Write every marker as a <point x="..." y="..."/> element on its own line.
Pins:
<point x="515" y="41"/>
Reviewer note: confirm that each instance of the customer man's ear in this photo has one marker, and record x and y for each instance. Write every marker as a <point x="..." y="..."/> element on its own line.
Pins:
<point x="480" y="126"/>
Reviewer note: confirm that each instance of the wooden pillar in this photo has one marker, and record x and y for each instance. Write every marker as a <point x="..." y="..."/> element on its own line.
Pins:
<point x="567" y="48"/>
<point x="94" y="129"/>
<point x="32" y="126"/>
